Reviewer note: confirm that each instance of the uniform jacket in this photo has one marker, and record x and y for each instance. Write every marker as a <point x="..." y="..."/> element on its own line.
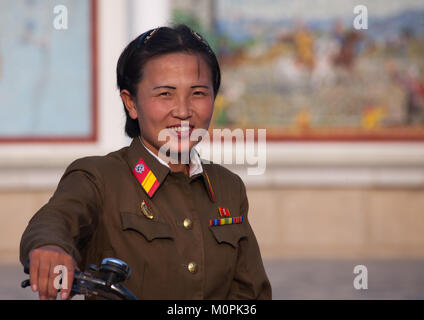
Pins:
<point x="96" y="213"/>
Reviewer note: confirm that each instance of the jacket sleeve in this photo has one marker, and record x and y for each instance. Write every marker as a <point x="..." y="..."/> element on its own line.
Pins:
<point x="250" y="280"/>
<point x="70" y="216"/>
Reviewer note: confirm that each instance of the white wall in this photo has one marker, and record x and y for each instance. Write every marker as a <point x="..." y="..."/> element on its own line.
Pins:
<point x="146" y="14"/>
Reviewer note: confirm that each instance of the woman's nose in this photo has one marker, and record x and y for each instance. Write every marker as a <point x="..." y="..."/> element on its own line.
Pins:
<point x="182" y="109"/>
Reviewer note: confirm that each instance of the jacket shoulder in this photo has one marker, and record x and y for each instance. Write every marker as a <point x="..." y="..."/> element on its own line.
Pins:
<point x="223" y="174"/>
<point x="98" y="165"/>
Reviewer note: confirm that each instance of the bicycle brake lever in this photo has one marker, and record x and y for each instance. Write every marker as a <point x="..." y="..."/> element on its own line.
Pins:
<point x="25" y="283"/>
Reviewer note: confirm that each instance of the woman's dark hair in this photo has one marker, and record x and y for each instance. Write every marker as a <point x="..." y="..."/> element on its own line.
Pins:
<point x="153" y="43"/>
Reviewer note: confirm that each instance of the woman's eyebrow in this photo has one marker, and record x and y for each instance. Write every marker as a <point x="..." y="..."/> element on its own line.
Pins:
<point x="167" y="87"/>
<point x="174" y="88"/>
<point x="199" y="86"/>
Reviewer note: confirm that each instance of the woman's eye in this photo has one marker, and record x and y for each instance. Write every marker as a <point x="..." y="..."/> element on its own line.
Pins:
<point x="199" y="93"/>
<point x="165" y="94"/>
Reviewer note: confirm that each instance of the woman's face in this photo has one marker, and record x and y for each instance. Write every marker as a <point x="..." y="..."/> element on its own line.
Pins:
<point x="175" y="89"/>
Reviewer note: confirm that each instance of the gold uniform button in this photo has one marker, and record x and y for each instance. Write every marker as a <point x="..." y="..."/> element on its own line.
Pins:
<point x="187" y="223"/>
<point x="192" y="267"/>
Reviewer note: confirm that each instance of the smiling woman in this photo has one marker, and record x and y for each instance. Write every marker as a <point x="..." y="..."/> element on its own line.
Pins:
<point x="176" y="88"/>
<point x="157" y="42"/>
<point x="167" y="76"/>
<point x="182" y="227"/>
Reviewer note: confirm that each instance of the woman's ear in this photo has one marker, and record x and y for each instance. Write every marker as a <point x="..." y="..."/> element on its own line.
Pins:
<point x="129" y="103"/>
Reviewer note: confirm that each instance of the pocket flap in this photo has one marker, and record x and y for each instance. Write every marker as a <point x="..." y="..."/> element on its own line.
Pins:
<point x="150" y="229"/>
<point x="231" y="233"/>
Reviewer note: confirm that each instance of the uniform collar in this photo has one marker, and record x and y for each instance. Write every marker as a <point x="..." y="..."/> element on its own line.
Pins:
<point x="151" y="171"/>
<point x="195" y="165"/>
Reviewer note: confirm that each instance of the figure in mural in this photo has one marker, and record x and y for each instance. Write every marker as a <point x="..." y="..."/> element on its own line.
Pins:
<point x="304" y="46"/>
<point x="348" y="52"/>
<point x="413" y="87"/>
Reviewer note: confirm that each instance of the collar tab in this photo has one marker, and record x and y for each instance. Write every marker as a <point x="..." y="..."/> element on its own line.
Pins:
<point x="146" y="177"/>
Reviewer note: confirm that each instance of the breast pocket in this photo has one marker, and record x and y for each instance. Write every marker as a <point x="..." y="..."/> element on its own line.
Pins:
<point x="152" y="244"/>
<point x="225" y="251"/>
<point x="149" y="229"/>
<point x="230" y="234"/>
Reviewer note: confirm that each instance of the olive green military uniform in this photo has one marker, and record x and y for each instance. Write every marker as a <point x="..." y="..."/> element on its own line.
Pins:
<point x="169" y="243"/>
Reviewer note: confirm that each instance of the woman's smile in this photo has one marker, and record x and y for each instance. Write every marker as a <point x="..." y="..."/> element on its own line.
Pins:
<point x="182" y="130"/>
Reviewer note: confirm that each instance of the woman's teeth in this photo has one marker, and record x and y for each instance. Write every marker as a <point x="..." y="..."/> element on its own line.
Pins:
<point x="180" y="129"/>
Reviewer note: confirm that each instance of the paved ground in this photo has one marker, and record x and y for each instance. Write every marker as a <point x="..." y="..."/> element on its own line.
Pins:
<point x="312" y="279"/>
<point x="300" y="279"/>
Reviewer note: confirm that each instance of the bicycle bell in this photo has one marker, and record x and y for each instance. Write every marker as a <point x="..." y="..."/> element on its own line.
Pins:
<point x="114" y="270"/>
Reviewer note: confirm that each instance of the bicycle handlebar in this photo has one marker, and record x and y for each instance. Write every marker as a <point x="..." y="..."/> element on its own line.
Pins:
<point x="111" y="272"/>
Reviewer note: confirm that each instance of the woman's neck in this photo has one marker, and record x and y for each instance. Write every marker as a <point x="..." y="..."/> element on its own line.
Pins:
<point x="175" y="167"/>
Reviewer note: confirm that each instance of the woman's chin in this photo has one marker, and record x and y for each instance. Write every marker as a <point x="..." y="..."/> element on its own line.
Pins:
<point x="181" y="146"/>
<point x="176" y="153"/>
